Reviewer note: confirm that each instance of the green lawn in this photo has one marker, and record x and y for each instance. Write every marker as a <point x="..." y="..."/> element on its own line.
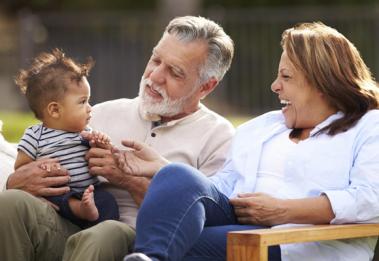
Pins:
<point x="14" y="123"/>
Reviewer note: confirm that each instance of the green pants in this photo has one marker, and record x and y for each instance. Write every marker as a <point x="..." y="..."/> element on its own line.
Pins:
<point x="32" y="230"/>
<point x="107" y="241"/>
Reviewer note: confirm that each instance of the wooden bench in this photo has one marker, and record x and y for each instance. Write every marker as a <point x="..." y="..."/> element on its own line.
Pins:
<point x="252" y="245"/>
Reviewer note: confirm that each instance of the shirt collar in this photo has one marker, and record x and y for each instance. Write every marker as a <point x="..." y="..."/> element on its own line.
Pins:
<point x="326" y="122"/>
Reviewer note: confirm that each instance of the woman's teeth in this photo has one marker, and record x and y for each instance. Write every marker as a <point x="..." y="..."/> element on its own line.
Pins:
<point x="285" y="102"/>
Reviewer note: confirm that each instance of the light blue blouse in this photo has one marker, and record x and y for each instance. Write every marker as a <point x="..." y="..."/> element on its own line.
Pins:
<point x="345" y="167"/>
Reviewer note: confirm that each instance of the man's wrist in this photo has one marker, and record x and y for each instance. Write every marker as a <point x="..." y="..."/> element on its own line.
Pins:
<point x="7" y="182"/>
<point x="161" y="164"/>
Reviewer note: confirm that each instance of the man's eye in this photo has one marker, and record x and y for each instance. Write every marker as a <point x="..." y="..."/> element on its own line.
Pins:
<point x="176" y="74"/>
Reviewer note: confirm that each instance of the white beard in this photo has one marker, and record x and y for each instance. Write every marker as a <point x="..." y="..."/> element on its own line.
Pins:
<point x="167" y="107"/>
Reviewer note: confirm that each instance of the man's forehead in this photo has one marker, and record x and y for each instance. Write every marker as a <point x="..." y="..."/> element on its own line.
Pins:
<point x="181" y="52"/>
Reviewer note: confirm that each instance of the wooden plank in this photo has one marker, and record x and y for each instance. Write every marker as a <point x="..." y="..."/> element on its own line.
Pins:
<point x="277" y="236"/>
<point x="246" y="247"/>
<point x="253" y="244"/>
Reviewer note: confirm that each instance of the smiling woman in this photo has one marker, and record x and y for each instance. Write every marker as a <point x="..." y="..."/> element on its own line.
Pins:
<point x="305" y="106"/>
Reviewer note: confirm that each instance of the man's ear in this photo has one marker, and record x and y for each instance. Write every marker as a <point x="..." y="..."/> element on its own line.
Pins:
<point x="54" y="109"/>
<point x="208" y="87"/>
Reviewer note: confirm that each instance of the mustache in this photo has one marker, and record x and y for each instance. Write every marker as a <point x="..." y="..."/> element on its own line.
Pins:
<point x="148" y="83"/>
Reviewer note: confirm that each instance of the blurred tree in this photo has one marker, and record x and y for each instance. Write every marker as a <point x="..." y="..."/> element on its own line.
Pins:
<point x="252" y="3"/>
<point x="13" y="6"/>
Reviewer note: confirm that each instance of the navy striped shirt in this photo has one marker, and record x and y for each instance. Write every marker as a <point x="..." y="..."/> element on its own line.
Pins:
<point x="69" y="147"/>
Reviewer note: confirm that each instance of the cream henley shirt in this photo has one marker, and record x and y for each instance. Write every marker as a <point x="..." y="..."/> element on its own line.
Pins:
<point x="200" y="139"/>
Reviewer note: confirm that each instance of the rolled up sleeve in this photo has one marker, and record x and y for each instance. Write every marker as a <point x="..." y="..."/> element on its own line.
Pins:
<point x="359" y="202"/>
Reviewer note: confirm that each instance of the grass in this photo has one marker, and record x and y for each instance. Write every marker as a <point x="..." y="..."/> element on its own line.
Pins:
<point x="15" y="123"/>
<point x="237" y="120"/>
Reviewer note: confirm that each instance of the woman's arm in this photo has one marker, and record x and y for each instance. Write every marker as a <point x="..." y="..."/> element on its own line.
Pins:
<point x="262" y="209"/>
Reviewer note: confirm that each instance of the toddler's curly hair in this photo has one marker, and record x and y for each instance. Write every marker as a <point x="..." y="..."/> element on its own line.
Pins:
<point x="48" y="77"/>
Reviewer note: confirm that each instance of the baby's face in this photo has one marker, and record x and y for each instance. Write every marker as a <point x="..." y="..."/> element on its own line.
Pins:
<point x="76" y="111"/>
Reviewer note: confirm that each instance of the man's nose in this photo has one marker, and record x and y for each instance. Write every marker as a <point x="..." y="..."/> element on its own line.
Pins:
<point x="158" y="74"/>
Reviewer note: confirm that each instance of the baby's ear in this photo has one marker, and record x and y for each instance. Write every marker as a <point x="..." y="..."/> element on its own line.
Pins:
<point x="53" y="109"/>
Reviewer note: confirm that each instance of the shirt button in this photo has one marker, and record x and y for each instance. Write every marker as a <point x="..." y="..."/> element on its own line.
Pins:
<point x="153" y="134"/>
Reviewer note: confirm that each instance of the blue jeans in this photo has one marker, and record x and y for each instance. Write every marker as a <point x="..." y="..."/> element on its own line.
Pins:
<point x="185" y="217"/>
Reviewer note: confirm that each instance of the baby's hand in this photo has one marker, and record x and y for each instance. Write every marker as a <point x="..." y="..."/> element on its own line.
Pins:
<point x="100" y="138"/>
<point x="97" y="139"/>
<point x="50" y="166"/>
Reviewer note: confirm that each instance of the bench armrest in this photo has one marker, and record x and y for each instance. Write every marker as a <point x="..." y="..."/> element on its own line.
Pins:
<point x="253" y="244"/>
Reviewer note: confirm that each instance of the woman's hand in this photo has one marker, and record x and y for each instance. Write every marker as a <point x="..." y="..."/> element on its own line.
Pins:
<point x="139" y="159"/>
<point x="262" y="209"/>
<point x="259" y="209"/>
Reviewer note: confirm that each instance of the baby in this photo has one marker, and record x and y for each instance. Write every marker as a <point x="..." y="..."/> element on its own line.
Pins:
<point x="57" y="91"/>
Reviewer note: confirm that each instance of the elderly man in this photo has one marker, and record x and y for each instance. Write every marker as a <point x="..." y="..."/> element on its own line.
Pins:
<point x="186" y="65"/>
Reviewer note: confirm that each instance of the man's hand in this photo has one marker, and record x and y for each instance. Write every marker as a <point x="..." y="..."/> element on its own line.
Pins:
<point x="102" y="163"/>
<point x="259" y="208"/>
<point x="139" y="160"/>
<point x="40" y="182"/>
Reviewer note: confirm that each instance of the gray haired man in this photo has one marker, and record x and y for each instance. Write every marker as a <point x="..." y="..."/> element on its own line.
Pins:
<point x="186" y="65"/>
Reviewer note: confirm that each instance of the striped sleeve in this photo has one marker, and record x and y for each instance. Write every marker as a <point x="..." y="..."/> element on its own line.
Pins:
<point x="29" y="142"/>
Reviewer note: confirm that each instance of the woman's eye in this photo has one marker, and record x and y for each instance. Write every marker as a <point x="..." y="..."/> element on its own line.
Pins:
<point x="156" y="61"/>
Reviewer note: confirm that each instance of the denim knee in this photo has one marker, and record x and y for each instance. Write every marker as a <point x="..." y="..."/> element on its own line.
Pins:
<point x="180" y="172"/>
<point x="181" y="177"/>
<point x="177" y="168"/>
